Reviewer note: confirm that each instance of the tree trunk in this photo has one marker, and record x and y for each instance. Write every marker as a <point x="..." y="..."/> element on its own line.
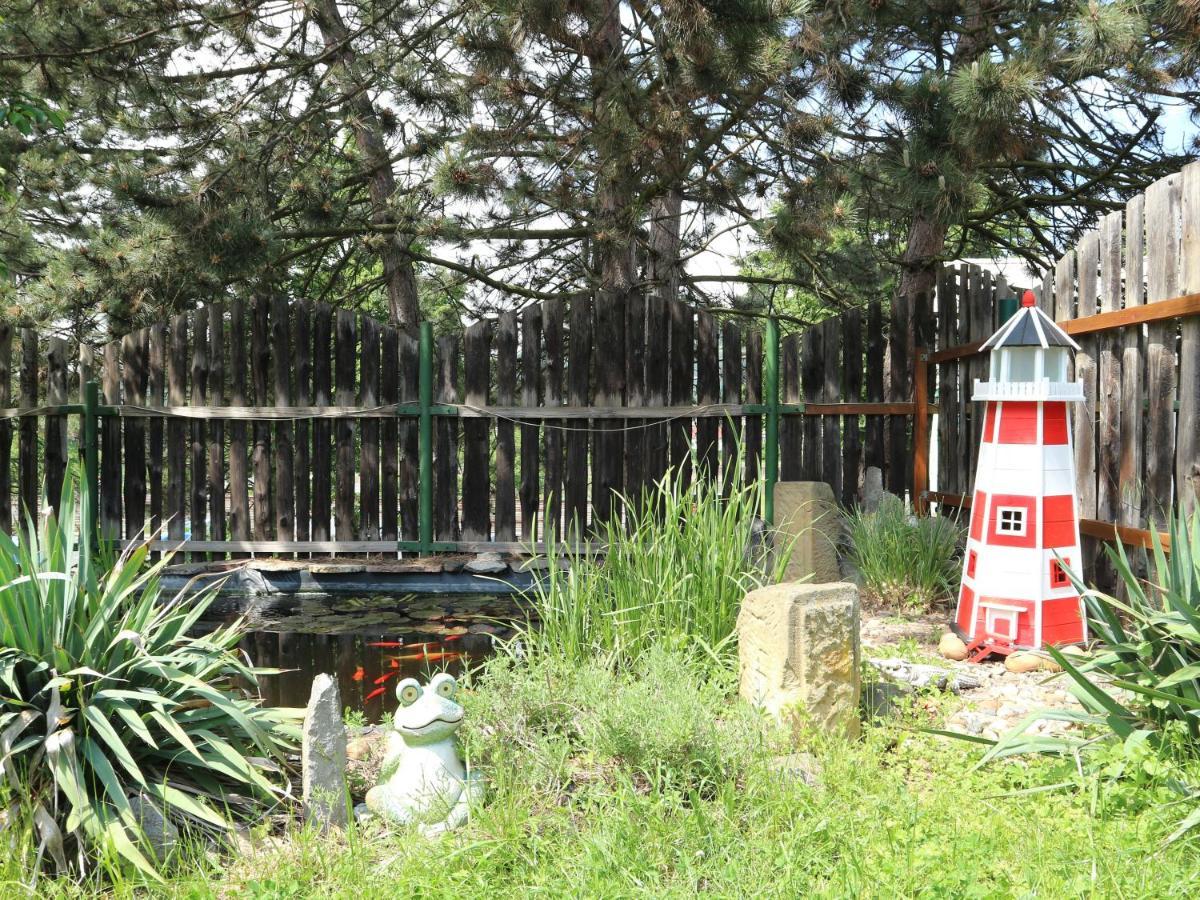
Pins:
<point x="398" y="274"/>
<point x="662" y="265"/>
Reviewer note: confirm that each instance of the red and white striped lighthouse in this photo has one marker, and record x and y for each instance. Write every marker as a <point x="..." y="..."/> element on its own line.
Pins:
<point x="1024" y="529"/>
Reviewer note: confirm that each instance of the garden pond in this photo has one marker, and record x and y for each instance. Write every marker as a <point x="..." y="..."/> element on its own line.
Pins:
<point x="368" y="643"/>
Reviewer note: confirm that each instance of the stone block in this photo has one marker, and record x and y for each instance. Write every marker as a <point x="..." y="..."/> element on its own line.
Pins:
<point x="798" y="649"/>
<point x="807" y="518"/>
<point x="323" y="756"/>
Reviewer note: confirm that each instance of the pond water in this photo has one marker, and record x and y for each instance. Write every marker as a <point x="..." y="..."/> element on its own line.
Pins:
<point x="368" y="643"/>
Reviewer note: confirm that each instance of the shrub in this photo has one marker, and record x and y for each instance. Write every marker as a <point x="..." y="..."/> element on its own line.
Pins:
<point x="1148" y="693"/>
<point x="673" y="572"/>
<point x="105" y="694"/>
<point x="905" y="561"/>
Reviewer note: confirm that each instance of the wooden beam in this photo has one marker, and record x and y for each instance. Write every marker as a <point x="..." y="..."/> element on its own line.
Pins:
<point x="1175" y="308"/>
<point x="1105" y="531"/>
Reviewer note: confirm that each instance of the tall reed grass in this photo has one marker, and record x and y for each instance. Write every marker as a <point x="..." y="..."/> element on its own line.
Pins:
<point x="906" y="561"/>
<point x="676" y="564"/>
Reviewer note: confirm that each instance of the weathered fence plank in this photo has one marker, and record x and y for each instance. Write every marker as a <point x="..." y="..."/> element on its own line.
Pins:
<point x="681" y="374"/>
<point x="110" y="446"/>
<point x="797" y="434"/>
<point x="531" y="392"/>
<point x="506" y="385"/>
<point x="708" y="391"/>
<point x="658" y="369"/>
<point x="445" y="495"/>
<point x="635" y="393"/>
<point x="239" y="484"/>
<point x="731" y="392"/>
<point x="811" y="359"/>
<point x="476" y="487"/>
<point x="156" y="382"/>
<point x="409" y="441"/>
<point x="1085" y="413"/>
<point x="345" y="368"/>
<point x="831" y="392"/>
<point x="552" y="329"/>
<point x="389" y="442"/>
<point x="1162" y="283"/>
<point x="216" y="428"/>
<point x="852" y="381"/>
<point x="578" y="394"/>
<point x="368" y="458"/>
<point x="198" y="323"/>
<point x="176" y="507"/>
<point x="1187" y="448"/>
<point x="284" y="485"/>
<point x="754" y="394"/>
<point x="1132" y="377"/>
<point x="134" y="378"/>
<point x="302" y="348"/>
<point x="322" y="455"/>
<point x="876" y="425"/>
<point x="56" y="426"/>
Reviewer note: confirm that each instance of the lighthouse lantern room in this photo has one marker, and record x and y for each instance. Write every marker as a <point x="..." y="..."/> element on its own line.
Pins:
<point x="1024" y="528"/>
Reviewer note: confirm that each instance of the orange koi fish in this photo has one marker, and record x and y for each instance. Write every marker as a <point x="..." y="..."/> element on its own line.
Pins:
<point x="358" y="674"/>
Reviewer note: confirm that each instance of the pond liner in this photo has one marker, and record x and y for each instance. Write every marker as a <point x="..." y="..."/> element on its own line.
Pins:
<point x="256" y="582"/>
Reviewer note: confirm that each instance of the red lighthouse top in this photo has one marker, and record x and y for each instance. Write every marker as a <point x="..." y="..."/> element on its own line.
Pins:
<point x="1028" y="299"/>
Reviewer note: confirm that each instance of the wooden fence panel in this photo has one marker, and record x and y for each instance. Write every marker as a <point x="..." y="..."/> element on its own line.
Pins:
<point x="260" y="367"/>
<point x="216" y="428"/>
<point x="608" y="456"/>
<point x="389" y="441"/>
<point x="658" y="369"/>
<point x="831" y="392"/>
<point x="322" y="456"/>
<point x="409" y="352"/>
<point x="134" y="378"/>
<point x="1132" y="370"/>
<point x="302" y="345"/>
<point x="875" y="360"/>
<point x="754" y="394"/>
<point x="682" y="359"/>
<point x="578" y="394"/>
<point x="445" y="484"/>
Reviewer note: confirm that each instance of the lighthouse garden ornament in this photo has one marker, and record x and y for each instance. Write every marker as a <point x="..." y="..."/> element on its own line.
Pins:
<point x="1024" y="535"/>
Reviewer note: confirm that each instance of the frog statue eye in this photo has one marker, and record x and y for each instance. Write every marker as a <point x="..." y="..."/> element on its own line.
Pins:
<point x="444" y="685"/>
<point x="407" y="691"/>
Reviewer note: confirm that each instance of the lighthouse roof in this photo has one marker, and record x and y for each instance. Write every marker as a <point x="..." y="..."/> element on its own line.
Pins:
<point x="1030" y="327"/>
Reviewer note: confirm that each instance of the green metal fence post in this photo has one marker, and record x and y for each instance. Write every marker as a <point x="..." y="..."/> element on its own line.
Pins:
<point x="91" y="462"/>
<point x="771" y="387"/>
<point x="425" y="479"/>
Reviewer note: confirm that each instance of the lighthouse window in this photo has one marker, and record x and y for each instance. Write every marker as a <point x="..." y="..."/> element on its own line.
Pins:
<point x="1058" y="573"/>
<point x="1010" y="520"/>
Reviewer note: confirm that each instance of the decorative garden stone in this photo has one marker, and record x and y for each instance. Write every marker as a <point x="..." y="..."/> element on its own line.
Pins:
<point x="423" y="782"/>
<point x="807" y="520"/>
<point x="798" y="648"/>
<point x="323" y="755"/>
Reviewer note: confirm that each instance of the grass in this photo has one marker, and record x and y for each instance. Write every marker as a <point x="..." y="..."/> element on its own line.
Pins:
<point x="906" y="562"/>
<point x="652" y="781"/>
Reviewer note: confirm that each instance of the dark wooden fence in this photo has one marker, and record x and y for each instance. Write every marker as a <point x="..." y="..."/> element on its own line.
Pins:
<point x="277" y="427"/>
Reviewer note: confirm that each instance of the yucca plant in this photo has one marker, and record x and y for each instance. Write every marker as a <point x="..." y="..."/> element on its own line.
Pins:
<point x="675" y="566"/>
<point x="107" y="694"/>
<point x="1148" y="690"/>
<point x="905" y="561"/>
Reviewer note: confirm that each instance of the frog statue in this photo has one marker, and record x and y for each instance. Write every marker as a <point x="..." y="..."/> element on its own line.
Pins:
<point x="423" y="782"/>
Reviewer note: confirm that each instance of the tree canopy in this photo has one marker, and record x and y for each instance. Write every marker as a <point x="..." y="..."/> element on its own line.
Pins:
<point x="447" y="158"/>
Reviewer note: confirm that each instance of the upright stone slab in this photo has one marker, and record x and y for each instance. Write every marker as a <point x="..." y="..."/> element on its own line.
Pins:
<point x="798" y="649"/>
<point x="808" y="520"/>
<point x="323" y="756"/>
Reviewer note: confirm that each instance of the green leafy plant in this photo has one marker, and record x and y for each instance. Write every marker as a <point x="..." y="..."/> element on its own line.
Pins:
<point x="905" y="561"/>
<point x="676" y="564"/>
<point x="1142" y="688"/>
<point x="107" y="694"/>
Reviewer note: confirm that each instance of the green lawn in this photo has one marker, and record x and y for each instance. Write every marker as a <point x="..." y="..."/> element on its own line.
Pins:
<point x="658" y="783"/>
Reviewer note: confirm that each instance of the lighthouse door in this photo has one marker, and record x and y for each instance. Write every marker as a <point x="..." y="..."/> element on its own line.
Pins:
<point x="1001" y="620"/>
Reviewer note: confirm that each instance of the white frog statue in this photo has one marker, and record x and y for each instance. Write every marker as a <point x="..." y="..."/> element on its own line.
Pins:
<point x="423" y="782"/>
